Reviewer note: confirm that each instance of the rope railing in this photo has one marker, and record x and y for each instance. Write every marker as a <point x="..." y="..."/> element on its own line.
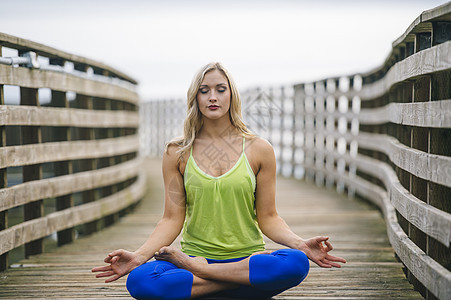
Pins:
<point x="70" y="165"/>
<point x="384" y="136"/>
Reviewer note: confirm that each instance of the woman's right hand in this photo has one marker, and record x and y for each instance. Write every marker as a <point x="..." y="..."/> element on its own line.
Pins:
<point x="121" y="262"/>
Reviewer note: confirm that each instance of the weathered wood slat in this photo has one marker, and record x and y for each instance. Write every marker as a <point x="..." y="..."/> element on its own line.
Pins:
<point x="435" y="168"/>
<point x="50" y="152"/>
<point x="424" y="114"/>
<point x="425" y="16"/>
<point x="433" y="221"/>
<point x="61" y="185"/>
<point x="27" y="45"/>
<point x="38" y="228"/>
<point x="35" y="78"/>
<point x="434" y="276"/>
<point x="54" y="116"/>
<point x="435" y="59"/>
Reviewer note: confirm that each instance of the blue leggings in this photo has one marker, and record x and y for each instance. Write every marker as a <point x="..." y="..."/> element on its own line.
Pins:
<point x="269" y="275"/>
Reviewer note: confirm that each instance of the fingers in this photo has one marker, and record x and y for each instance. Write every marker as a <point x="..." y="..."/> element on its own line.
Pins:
<point x="336" y="258"/>
<point x="105" y="274"/>
<point x="331" y="261"/>
<point x="323" y="264"/>
<point x="112" y="255"/>
<point x="320" y="239"/>
<point x="101" y="269"/>
<point x="116" y="253"/>
<point x="328" y="246"/>
<point x="327" y="264"/>
<point x="115" y="277"/>
<point x="332" y="264"/>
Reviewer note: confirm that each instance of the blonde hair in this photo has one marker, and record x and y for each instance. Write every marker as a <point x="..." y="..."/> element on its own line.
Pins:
<point x="193" y="121"/>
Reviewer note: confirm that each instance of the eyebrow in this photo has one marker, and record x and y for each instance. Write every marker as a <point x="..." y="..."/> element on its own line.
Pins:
<point x="219" y="84"/>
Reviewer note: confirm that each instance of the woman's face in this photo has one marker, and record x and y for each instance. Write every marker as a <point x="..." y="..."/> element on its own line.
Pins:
<point x="214" y="95"/>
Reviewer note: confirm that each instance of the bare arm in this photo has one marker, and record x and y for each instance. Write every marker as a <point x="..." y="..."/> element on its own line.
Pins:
<point x="272" y="225"/>
<point x="171" y="223"/>
<point x="121" y="262"/>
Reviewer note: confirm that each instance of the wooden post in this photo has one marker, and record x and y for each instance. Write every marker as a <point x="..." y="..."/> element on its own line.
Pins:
<point x="32" y="135"/>
<point x="3" y="183"/>
<point x="86" y="102"/>
<point x="440" y="144"/>
<point x="111" y="189"/>
<point x="59" y="99"/>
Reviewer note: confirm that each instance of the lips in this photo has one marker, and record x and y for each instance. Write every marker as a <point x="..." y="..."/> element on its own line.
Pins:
<point x="213" y="106"/>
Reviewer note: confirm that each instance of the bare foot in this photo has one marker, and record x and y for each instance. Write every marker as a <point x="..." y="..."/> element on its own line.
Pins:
<point x="180" y="259"/>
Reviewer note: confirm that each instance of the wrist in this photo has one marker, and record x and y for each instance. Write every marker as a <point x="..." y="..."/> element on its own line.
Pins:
<point x="301" y="245"/>
<point x="141" y="258"/>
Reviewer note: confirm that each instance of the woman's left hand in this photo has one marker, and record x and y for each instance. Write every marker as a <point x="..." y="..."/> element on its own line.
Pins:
<point x="317" y="249"/>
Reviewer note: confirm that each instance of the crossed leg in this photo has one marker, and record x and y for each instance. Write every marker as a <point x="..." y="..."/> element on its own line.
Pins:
<point x="234" y="272"/>
<point x="264" y="274"/>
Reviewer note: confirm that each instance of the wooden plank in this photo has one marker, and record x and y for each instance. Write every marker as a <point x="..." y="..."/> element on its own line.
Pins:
<point x="55" y="116"/>
<point x="65" y="184"/>
<point x="442" y="12"/>
<point x="433" y="114"/>
<point x="31" y="78"/>
<point x="435" y="59"/>
<point x="64" y="201"/>
<point x="435" y="168"/>
<point x="431" y="220"/>
<point x="25" y="232"/>
<point x="57" y="151"/>
<point x="31" y="135"/>
<point x="424" y="165"/>
<point x="3" y="182"/>
<point x="27" y="45"/>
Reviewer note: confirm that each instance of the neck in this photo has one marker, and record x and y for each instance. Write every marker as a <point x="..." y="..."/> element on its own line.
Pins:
<point x="217" y="128"/>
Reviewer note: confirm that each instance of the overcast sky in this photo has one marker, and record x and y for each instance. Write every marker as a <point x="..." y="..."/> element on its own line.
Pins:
<point x="163" y="43"/>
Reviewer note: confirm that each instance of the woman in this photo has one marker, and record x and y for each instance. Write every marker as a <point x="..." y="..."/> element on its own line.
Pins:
<point x="220" y="183"/>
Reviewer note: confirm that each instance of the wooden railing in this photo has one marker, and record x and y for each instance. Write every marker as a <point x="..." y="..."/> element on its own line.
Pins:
<point x="384" y="136"/>
<point x="69" y="160"/>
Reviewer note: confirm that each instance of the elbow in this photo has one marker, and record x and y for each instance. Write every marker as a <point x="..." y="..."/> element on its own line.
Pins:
<point x="172" y="221"/>
<point x="267" y="220"/>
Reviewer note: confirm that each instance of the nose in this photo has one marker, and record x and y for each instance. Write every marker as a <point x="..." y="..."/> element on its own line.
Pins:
<point x="213" y="97"/>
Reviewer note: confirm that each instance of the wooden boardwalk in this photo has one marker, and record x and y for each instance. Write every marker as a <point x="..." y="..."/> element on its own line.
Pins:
<point x="356" y="230"/>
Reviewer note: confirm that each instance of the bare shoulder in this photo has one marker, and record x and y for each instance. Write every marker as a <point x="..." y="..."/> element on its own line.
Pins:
<point x="260" y="145"/>
<point x="172" y="160"/>
<point x="260" y="153"/>
<point x="171" y="157"/>
<point x="171" y="152"/>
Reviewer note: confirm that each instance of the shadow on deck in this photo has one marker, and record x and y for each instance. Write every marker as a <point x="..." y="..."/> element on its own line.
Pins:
<point x="356" y="230"/>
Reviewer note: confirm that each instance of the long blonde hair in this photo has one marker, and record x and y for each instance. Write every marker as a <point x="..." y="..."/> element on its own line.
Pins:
<point x="193" y="121"/>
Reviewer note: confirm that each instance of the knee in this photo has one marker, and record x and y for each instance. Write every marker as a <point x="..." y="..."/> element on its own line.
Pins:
<point x="140" y="284"/>
<point x="297" y="264"/>
<point x="293" y="265"/>
<point x="282" y="269"/>
<point x="136" y="284"/>
<point x="159" y="280"/>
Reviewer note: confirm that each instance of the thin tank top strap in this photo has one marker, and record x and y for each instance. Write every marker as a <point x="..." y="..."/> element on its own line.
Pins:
<point x="244" y="142"/>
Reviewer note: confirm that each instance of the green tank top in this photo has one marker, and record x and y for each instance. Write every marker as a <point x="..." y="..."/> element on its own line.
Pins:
<point x="220" y="220"/>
